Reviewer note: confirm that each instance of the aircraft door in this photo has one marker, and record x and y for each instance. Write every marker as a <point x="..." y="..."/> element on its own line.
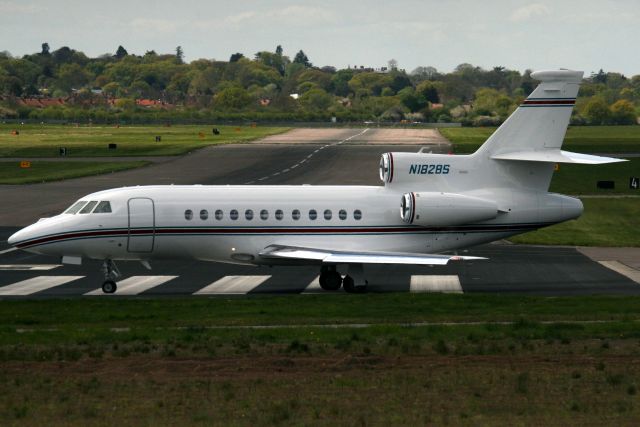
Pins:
<point x="142" y="225"/>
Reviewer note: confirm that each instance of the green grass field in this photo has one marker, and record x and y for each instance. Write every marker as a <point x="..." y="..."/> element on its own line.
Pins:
<point x="582" y="139"/>
<point x="93" y="141"/>
<point x="583" y="179"/>
<point x="43" y="171"/>
<point x="98" y="361"/>
<point x="605" y="222"/>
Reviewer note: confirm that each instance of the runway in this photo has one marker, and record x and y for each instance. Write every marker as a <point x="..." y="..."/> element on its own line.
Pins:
<point x="343" y="158"/>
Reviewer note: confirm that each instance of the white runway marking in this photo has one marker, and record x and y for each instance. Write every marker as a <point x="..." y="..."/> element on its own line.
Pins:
<point x="36" y="284"/>
<point x="239" y="285"/>
<point x="623" y="269"/>
<point x="428" y="283"/>
<point x="135" y="285"/>
<point x="28" y="267"/>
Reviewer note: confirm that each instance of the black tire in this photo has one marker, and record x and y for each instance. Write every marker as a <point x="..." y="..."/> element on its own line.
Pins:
<point x="348" y="284"/>
<point x="330" y="280"/>
<point x="109" y="287"/>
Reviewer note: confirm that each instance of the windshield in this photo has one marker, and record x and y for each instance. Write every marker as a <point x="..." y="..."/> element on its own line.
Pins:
<point x="76" y="207"/>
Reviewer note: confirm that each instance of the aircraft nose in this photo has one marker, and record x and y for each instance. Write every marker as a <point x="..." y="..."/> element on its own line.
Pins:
<point x="14" y="238"/>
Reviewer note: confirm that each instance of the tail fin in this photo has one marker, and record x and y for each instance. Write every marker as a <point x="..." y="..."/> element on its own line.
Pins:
<point x="541" y="121"/>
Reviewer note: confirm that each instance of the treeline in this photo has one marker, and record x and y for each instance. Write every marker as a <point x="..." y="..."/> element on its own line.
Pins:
<point x="271" y="86"/>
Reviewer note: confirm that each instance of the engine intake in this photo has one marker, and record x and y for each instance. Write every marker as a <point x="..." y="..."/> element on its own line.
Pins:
<point x="442" y="209"/>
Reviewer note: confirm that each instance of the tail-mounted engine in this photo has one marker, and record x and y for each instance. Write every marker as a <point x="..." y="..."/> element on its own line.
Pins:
<point x="442" y="209"/>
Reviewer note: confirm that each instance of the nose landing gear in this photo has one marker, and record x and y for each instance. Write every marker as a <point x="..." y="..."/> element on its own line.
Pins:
<point x="111" y="274"/>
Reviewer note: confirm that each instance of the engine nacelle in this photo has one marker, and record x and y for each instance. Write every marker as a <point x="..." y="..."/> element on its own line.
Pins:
<point x="442" y="209"/>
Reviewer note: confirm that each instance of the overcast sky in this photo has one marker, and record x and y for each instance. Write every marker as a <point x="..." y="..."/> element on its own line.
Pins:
<point x="583" y="35"/>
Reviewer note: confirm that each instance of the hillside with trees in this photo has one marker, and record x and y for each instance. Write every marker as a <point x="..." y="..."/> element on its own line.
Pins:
<point x="65" y="84"/>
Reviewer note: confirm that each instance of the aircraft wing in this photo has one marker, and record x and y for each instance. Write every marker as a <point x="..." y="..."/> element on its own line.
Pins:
<point x="346" y="257"/>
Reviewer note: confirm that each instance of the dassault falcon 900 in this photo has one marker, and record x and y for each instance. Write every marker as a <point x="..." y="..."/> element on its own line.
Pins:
<point x="429" y="204"/>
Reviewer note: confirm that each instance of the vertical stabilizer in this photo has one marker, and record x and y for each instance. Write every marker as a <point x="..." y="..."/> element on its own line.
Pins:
<point x="541" y="121"/>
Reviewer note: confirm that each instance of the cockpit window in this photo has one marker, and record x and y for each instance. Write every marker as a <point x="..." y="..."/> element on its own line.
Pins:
<point x="76" y="207"/>
<point x="103" y="207"/>
<point x="88" y="207"/>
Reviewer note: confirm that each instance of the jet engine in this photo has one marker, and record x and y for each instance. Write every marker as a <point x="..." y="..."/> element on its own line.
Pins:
<point x="442" y="209"/>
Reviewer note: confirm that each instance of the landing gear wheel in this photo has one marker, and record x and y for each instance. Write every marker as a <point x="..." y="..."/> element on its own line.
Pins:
<point x="109" y="287"/>
<point x="330" y="280"/>
<point x="349" y="286"/>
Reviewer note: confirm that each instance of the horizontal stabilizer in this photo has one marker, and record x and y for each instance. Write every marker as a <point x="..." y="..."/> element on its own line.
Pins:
<point x="347" y="257"/>
<point x="556" y="156"/>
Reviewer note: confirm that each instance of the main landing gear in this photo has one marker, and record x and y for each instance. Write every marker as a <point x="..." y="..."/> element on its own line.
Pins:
<point x="353" y="282"/>
<point x="111" y="274"/>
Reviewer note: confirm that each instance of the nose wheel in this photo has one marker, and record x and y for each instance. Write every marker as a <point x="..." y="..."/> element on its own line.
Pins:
<point x="111" y="274"/>
<point x="109" y="287"/>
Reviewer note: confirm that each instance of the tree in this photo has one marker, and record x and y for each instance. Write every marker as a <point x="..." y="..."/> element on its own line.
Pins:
<point x="236" y="57"/>
<point x="301" y="58"/>
<point x="623" y="113"/>
<point x="393" y="64"/>
<point x="411" y="100"/>
<point x="428" y="91"/>
<point x="597" y="111"/>
<point x="45" y="49"/>
<point x="279" y="50"/>
<point x="121" y="53"/>
<point x="179" y="55"/>
<point x="316" y="99"/>
<point x="233" y="97"/>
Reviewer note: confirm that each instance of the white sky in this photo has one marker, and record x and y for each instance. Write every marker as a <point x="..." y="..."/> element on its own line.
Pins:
<point x="583" y="35"/>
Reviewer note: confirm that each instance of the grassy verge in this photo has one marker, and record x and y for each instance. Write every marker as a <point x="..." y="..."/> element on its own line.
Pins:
<point x="90" y="141"/>
<point x="605" y="222"/>
<point x="105" y="362"/>
<point x="583" y="139"/>
<point x="12" y="173"/>
<point x="582" y="179"/>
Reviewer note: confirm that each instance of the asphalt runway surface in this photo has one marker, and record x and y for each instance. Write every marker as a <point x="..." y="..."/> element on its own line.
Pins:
<point x="343" y="158"/>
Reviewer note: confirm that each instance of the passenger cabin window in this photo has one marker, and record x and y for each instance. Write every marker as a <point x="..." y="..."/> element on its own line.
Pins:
<point x="327" y="214"/>
<point x="233" y="214"/>
<point x="248" y="214"/>
<point x="279" y="215"/>
<point x="204" y="214"/>
<point x="264" y="214"/>
<point x="342" y="214"/>
<point x="188" y="214"/>
<point x="219" y="214"/>
<point x="295" y="214"/>
<point x="88" y="207"/>
<point x="313" y="214"/>
<point x="357" y="214"/>
<point x="76" y="207"/>
<point x="103" y="207"/>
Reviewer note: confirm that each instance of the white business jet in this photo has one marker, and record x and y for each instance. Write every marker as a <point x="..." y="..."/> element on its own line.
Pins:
<point x="429" y="204"/>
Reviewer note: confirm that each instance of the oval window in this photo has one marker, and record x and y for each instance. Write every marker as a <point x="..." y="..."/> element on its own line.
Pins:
<point x="204" y="214"/>
<point x="233" y="214"/>
<point x="342" y="214"/>
<point x="313" y="214"/>
<point x="357" y="214"/>
<point x="327" y="214"/>
<point x="264" y="214"/>
<point x="279" y="215"/>
<point x="188" y="214"/>
<point x="295" y="214"/>
<point x="248" y="214"/>
<point x="219" y="214"/>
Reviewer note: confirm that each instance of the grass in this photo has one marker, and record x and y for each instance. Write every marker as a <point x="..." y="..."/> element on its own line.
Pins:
<point x="583" y="139"/>
<point x="71" y="367"/>
<point x="583" y="179"/>
<point x="93" y="141"/>
<point x="605" y="222"/>
<point x="41" y="171"/>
